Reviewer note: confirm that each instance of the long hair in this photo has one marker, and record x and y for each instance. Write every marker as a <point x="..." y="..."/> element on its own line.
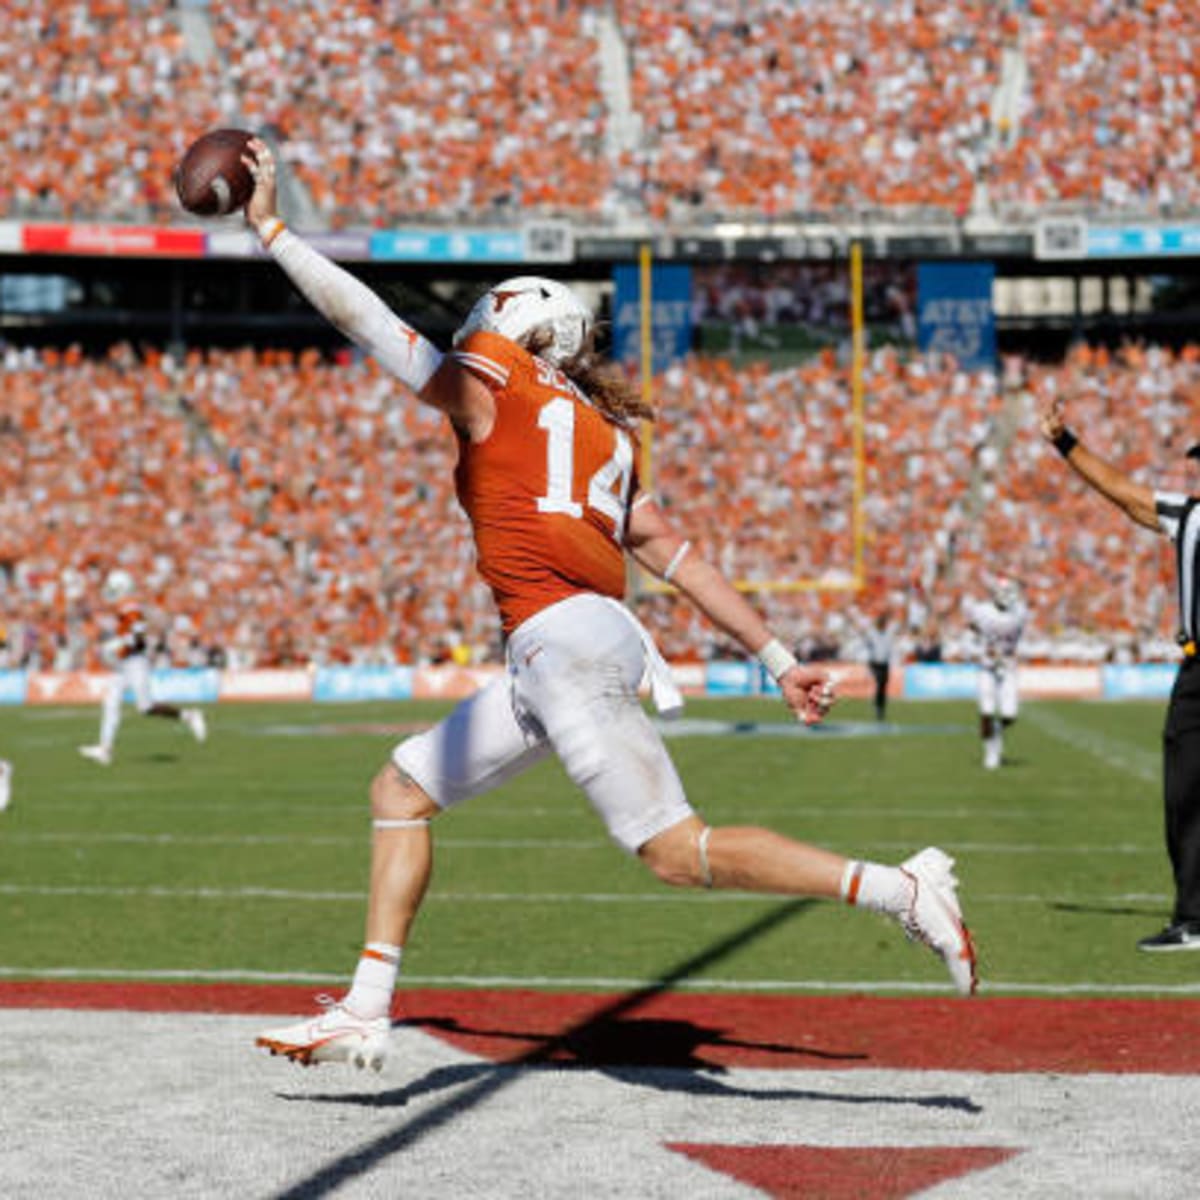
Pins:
<point x="604" y="383"/>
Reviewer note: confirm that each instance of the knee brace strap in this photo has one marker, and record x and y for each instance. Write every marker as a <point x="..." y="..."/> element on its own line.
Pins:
<point x="399" y="823"/>
<point x="702" y="849"/>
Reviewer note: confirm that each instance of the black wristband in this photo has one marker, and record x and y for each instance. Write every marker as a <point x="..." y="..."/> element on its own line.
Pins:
<point x="1065" y="442"/>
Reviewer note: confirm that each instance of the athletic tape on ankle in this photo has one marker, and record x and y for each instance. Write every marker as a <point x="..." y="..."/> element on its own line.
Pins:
<point x="383" y="956"/>
<point x="413" y="823"/>
<point x="702" y="848"/>
<point x="851" y="882"/>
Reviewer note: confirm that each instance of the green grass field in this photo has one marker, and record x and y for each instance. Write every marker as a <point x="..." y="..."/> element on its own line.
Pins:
<point x="245" y="858"/>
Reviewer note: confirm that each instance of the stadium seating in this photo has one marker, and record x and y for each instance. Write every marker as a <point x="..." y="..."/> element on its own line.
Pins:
<point x="816" y="108"/>
<point x="272" y="507"/>
<point x="1108" y="122"/>
<point x="393" y="112"/>
<point x="283" y="508"/>
<point x="97" y="100"/>
<point x="1085" y="566"/>
<point x="407" y="110"/>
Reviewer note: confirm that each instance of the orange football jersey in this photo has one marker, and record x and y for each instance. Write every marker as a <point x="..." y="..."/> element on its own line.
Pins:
<point x="548" y="491"/>
<point x="131" y="628"/>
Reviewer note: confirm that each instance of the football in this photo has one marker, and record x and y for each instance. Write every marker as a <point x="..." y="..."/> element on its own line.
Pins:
<point x="211" y="179"/>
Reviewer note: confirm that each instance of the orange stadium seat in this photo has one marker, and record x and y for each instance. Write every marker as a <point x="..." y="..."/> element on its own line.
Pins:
<point x="285" y="509"/>
<point x="390" y="112"/>
<point x="1108" y="121"/>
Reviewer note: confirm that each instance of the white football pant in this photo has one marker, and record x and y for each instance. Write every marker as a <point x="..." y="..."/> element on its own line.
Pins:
<point x="132" y="673"/>
<point x="571" y="687"/>
<point x="998" y="696"/>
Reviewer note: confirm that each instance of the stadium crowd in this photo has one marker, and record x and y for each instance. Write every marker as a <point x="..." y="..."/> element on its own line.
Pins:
<point x="95" y="98"/>
<point x="389" y="111"/>
<point x="282" y="509"/>
<point x="1109" y="119"/>
<point x="424" y="108"/>
<point x="827" y="106"/>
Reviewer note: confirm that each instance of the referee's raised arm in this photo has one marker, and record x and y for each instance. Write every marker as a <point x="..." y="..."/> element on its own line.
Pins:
<point x="1134" y="499"/>
<point x="1176" y="514"/>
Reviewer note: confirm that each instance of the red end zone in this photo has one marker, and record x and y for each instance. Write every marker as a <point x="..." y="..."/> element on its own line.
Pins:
<point x="1003" y="1034"/>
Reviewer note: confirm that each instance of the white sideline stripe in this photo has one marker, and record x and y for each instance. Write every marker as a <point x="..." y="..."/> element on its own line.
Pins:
<point x="603" y="984"/>
<point x="683" y="897"/>
<point x="955" y="847"/>
<point x="287" y="839"/>
<point x="1124" y="756"/>
<point x="726" y="809"/>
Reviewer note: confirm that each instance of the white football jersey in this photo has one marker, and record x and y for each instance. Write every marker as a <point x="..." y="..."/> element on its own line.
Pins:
<point x="999" y="629"/>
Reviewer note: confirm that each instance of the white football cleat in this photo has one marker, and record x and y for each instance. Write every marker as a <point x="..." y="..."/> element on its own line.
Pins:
<point x="336" y="1035"/>
<point x="935" y="918"/>
<point x="100" y="754"/>
<point x="193" y="718"/>
<point x="5" y="783"/>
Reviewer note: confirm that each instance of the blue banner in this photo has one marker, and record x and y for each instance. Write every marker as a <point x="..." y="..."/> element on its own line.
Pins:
<point x="671" y="314"/>
<point x="363" y="683"/>
<point x="731" y="678"/>
<point x="424" y="245"/>
<point x="1143" y="241"/>
<point x="955" y="313"/>
<point x="941" y="681"/>
<point x="184" y="685"/>
<point x="1138" y="681"/>
<point x="12" y="687"/>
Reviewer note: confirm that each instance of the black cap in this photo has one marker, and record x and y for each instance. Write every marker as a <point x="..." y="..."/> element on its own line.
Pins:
<point x="1193" y="451"/>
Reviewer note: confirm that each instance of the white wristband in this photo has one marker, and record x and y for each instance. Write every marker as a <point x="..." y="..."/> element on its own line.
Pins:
<point x="269" y="230"/>
<point x="777" y="658"/>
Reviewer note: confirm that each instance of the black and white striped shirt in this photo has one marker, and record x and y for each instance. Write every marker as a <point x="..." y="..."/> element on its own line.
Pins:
<point x="1179" y="518"/>
<point x="880" y="643"/>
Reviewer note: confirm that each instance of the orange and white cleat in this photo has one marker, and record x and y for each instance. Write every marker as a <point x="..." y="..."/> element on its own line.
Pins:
<point x="935" y="916"/>
<point x="335" y="1035"/>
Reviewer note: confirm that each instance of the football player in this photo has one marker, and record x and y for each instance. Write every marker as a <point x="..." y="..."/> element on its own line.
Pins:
<point x="998" y="622"/>
<point x="127" y="651"/>
<point x="547" y="440"/>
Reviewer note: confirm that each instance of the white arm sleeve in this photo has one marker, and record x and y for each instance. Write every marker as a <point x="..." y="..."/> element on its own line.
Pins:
<point x="360" y="314"/>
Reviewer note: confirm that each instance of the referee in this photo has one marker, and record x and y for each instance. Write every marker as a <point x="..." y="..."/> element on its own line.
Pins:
<point x="880" y="645"/>
<point x="1178" y="516"/>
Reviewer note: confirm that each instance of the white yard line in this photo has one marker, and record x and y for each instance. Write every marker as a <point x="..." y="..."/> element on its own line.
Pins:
<point x="451" y="842"/>
<point x="570" y="808"/>
<point x="1131" y="758"/>
<point x="556" y="898"/>
<point x="297" y="839"/>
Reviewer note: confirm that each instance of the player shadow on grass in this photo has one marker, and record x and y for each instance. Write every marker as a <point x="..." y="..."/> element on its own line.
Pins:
<point x="655" y="1053"/>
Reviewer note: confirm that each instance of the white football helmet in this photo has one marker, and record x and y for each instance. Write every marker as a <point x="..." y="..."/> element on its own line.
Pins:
<point x="117" y="585"/>
<point x="517" y="306"/>
<point x="1006" y="593"/>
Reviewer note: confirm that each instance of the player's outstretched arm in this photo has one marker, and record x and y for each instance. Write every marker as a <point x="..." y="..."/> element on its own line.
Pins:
<point x="1134" y="499"/>
<point x="336" y="294"/>
<point x="659" y="548"/>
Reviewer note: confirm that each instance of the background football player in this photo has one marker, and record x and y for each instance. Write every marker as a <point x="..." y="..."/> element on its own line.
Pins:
<point x="128" y="651"/>
<point x="998" y="622"/>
